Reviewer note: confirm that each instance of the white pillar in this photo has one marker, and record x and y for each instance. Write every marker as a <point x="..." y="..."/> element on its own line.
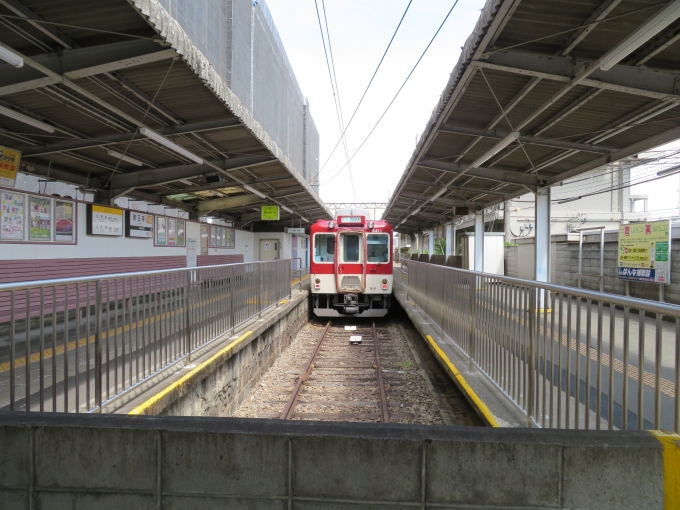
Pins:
<point x="479" y="241"/>
<point x="449" y="240"/>
<point x="542" y="240"/>
<point x="430" y="243"/>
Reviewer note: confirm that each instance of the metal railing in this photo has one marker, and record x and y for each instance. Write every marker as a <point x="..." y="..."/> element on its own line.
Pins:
<point x="78" y="344"/>
<point x="300" y="271"/>
<point x="565" y="357"/>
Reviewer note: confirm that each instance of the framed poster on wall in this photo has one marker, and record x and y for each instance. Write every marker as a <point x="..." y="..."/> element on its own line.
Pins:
<point x="64" y="221"/>
<point x="181" y="232"/>
<point x="12" y="214"/>
<point x="172" y="231"/>
<point x="204" y="239"/>
<point x="138" y="225"/>
<point x="161" y="232"/>
<point x="104" y="221"/>
<point x="40" y="217"/>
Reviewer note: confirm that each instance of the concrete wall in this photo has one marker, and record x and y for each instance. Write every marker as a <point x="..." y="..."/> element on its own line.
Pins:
<point x="110" y="462"/>
<point x="221" y="390"/>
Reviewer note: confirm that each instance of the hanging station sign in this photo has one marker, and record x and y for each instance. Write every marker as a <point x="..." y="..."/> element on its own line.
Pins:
<point x="644" y="253"/>
<point x="138" y="224"/>
<point x="9" y="165"/>
<point x="104" y="221"/>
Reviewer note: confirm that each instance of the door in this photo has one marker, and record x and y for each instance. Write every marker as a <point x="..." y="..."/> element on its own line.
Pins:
<point x="350" y="262"/>
<point x="269" y="249"/>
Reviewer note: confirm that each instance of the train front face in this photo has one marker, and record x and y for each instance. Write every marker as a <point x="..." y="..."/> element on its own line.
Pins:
<point x="351" y="267"/>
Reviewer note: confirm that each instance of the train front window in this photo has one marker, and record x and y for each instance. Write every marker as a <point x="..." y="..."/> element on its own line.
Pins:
<point x="324" y="247"/>
<point x="352" y="248"/>
<point x="378" y="248"/>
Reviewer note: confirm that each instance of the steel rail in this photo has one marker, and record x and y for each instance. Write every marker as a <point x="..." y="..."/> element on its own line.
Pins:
<point x="289" y="409"/>
<point x="384" y="409"/>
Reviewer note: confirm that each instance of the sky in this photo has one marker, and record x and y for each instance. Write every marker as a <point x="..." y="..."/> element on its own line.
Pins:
<point x="360" y="32"/>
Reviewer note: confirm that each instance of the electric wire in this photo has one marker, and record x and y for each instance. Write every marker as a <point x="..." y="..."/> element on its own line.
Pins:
<point x="370" y="82"/>
<point x="339" y="102"/>
<point x="398" y="92"/>
<point x="338" y="112"/>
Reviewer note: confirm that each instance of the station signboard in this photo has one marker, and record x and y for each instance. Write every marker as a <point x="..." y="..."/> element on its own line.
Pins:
<point x="644" y="252"/>
<point x="138" y="224"/>
<point x="104" y="221"/>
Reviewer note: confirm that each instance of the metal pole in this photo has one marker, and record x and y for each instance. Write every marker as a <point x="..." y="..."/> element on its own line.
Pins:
<point x="98" y="347"/>
<point x="602" y="260"/>
<point x="187" y="302"/>
<point x="259" y="290"/>
<point x="479" y="241"/>
<point x="542" y="240"/>
<point x="532" y="353"/>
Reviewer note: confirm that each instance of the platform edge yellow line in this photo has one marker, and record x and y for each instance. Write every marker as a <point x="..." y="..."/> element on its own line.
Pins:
<point x="156" y="398"/>
<point x="671" y="468"/>
<point x="479" y="403"/>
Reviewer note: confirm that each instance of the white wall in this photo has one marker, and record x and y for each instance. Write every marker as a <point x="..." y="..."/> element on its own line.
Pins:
<point x="285" y="239"/>
<point x="100" y="246"/>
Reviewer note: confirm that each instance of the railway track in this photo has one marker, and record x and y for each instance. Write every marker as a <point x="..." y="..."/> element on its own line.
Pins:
<point x="340" y="366"/>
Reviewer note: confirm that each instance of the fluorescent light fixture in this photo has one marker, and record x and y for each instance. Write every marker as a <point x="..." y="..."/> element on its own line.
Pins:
<point x="496" y="149"/>
<point x="25" y="119"/>
<point x="11" y="58"/>
<point x="643" y="34"/>
<point x="671" y="170"/>
<point x="149" y="133"/>
<point x="118" y="155"/>
<point x="439" y="194"/>
<point x="254" y="191"/>
<point x="286" y="209"/>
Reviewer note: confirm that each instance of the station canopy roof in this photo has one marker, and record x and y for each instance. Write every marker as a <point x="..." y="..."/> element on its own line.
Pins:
<point x="110" y="77"/>
<point x="544" y="90"/>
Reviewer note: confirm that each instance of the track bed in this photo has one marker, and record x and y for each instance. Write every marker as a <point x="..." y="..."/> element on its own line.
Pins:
<point x="323" y="376"/>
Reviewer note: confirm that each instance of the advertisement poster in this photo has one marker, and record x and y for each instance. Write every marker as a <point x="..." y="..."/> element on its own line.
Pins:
<point x="204" y="239"/>
<point x="161" y="236"/>
<point x="63" y="221"/>
<point x="104" y="221"/>
<point x="9" y="164"/>
<point x="172" y="231"/>
<point x="230" y="238"/>
<point x="138" y="224"/>
<point x="213" y="236"/>
<point x="12" y="211"/>
<point x="181" y="226"/>
<point x="644" y="253"/>
<point x="40" y="218"/>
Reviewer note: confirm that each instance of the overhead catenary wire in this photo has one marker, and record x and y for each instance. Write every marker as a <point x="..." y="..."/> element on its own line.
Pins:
<point x="398" y="91"/>
<point x="370" y="82"/>
<point x="335" y="87"/>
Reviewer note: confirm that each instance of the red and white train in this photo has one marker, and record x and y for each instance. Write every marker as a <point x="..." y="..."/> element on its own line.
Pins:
<point x="351" y="265"/>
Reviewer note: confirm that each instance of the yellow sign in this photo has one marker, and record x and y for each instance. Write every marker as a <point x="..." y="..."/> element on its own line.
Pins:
<point x="270" y="212"/>
<point x="9" y="165"/>
<point x="644" y="253"/>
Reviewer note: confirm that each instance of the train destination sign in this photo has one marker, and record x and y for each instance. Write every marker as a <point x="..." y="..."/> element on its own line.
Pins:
<point x="270" y="212"/>
<point x="644" y="253"/>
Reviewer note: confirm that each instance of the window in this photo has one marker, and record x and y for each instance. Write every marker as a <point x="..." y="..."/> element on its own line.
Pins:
<point x="378" y="248"/>
<point x="324" y="247"/>
<point x="352" y="248"/>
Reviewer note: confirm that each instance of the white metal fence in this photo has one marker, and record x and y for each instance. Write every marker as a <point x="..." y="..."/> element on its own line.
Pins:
<point x="565" y="357"/>
<point x="78" y="344"/>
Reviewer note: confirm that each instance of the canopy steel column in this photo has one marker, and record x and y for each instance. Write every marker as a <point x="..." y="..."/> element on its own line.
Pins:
<point x="449" y="240"/>
<point x="479" y="240"/>
<point x="542" y="241"/>
<point x="430" y="242"/>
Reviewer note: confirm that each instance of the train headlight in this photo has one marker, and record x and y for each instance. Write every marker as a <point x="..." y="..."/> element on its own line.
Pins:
<point x="370" y="224"/>
<point x="331" y="224"/>
<point x="384" y="281"/>
<point x="318" y="280"/>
